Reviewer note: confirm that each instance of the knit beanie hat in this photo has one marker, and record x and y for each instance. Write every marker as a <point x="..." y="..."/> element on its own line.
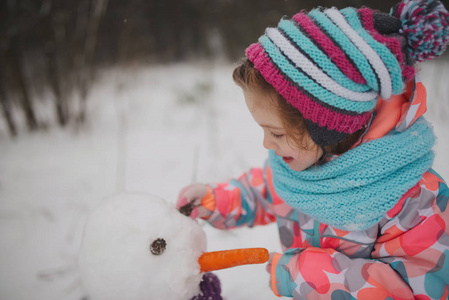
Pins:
<point x="332" y="65"/>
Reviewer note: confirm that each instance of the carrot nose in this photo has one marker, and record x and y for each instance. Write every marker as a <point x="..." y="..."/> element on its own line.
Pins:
<point x="212" y="261"/>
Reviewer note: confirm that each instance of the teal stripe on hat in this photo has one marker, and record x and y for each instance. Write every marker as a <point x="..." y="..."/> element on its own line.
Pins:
<point x="348" y="47"/>
<point x="387" y="57"/>
<point x="310" y="85"/>
<point x="319" y="58"/>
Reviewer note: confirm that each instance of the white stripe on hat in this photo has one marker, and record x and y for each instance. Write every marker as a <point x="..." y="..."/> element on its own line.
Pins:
<point x="304" y="63"/>
<point x="372" y="56"/>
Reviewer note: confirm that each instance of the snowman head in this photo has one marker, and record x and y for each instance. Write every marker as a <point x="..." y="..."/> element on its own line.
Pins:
<point x="138" y="247"/>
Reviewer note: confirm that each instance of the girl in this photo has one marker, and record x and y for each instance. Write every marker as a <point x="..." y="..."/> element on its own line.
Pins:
<point x="361" y="214"/>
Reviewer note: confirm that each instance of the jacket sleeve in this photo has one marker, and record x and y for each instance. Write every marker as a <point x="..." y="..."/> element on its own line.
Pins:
<point x="241" y="201"/>
<point x="410" y="259"/>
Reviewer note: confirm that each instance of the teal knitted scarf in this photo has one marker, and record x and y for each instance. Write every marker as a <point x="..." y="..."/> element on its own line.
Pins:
<point x="356" y="189"/>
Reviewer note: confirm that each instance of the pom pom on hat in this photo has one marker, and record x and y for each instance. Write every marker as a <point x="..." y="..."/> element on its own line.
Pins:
<point x="425" y="24"/>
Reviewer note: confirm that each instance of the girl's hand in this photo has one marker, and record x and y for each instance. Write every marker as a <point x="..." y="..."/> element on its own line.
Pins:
<point x="189" y="201"/>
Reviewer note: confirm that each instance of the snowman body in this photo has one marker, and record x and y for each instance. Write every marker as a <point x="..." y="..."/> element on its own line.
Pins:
<point x="139" y="247"/>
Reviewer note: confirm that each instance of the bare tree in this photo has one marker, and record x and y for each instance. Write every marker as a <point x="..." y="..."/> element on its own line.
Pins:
<point x="6" y="103"/>
<point x="14" y="56"/>
<point x="85" y="61"/>
<point x="4" y="99"/>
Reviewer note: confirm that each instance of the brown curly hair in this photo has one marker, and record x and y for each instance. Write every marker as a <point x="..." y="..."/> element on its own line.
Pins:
<point x="247" y="77"/>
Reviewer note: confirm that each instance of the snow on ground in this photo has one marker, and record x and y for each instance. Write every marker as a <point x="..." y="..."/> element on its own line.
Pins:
<point x="151" y="130"/>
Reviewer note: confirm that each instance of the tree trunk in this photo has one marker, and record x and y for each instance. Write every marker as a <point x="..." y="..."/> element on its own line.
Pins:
<point x="61" y="105"/>
<point x="6" y="104"/>
<point x="57" y="61"/>
<point x="86" y="67"/>
<point x="18" y="75"/>
<point x="15" y="57"/>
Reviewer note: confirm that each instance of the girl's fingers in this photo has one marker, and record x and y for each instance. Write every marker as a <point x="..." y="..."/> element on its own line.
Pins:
<point x="189" y="201"/>
<point x="182" y="201"/>
<point x="194" y="214"/>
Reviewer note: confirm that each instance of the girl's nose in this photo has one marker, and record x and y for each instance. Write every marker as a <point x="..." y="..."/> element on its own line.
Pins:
<point x="268" y="143"/>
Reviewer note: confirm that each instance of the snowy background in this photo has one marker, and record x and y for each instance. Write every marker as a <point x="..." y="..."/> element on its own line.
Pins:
<point x="150" y="130"/>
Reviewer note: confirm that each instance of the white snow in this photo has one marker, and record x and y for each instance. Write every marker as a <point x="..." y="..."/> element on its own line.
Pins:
<point x="152" y="130"/>
<point x="116" y="259"/>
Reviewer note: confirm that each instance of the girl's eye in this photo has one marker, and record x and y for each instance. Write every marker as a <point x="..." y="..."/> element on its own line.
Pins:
<point x="278" y="136"/>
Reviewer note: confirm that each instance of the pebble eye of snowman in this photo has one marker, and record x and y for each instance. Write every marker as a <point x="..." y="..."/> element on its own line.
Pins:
<point x="158" y="246"/>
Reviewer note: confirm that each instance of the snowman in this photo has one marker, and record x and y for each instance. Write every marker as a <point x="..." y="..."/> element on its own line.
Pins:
<point x="139" y="247"/>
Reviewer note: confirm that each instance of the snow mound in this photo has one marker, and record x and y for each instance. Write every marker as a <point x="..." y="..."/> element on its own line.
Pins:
<point x="137" y="247"/>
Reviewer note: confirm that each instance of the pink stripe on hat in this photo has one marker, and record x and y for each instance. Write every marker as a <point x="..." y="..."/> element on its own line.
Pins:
<point x="311" y="110"/>
<point x="334" y="53"/>
<point x="392" y="43"/>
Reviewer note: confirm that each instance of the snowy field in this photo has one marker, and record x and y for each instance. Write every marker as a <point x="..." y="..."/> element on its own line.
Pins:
<point x="151" y="130"/>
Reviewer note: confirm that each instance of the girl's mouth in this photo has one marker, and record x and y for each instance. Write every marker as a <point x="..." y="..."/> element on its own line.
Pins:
<point x="287" y="159"/>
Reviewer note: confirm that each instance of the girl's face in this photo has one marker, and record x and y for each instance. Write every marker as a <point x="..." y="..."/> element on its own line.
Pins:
<point x="264" y="113"/>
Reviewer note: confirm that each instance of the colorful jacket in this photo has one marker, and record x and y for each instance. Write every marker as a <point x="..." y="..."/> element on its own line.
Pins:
<point x="404" y="256"/>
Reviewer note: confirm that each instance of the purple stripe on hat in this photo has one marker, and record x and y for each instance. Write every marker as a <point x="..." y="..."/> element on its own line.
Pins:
<point x="311" y="110"/>
<point x="392" y="43"/>
<point x="334" y="52"/>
